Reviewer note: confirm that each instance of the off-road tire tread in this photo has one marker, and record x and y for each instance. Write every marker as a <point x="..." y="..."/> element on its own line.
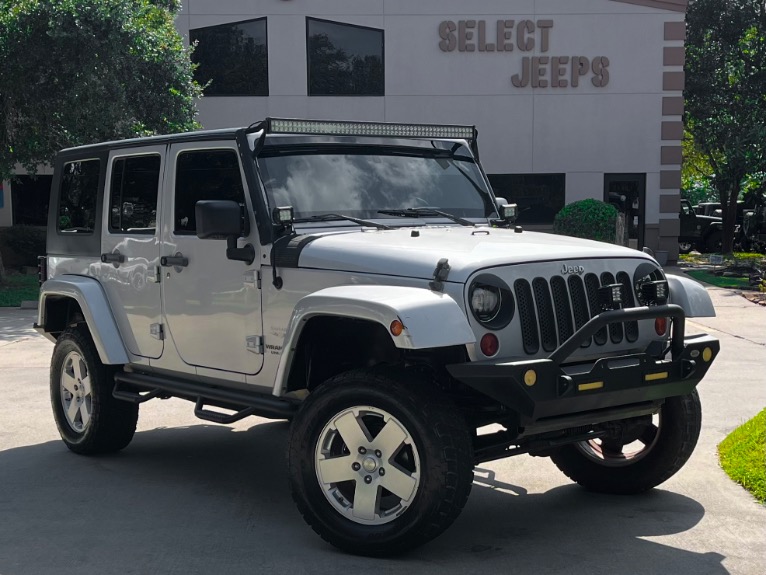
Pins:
<point x="113" y="422"/>
<point x="675" y="446"/>
<point x="437" y="410"/>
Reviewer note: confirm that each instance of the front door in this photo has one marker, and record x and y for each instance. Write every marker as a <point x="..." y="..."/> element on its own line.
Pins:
<point x="130" y="246"/>
<point x="627" y="193"/>
<point x="211" y="304"/>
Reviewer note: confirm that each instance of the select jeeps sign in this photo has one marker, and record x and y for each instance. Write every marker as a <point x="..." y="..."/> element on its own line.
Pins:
<point x="524" y="36"/>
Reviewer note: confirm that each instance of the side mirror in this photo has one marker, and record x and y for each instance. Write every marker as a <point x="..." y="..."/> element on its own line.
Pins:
<point x="217" y="219"/>
<point x="223" y="219"/>
<point x="500" y="202"/>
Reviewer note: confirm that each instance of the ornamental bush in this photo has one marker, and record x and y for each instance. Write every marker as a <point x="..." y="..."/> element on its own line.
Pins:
<point x="590" y="219"/>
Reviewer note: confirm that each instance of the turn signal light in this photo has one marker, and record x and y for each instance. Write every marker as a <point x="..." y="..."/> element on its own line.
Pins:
<point x="396" y="328"/>
<point x="661" y="325"/>
<point x="489" y="344"/>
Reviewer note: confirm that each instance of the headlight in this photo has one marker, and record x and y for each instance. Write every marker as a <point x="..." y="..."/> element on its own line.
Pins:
<point x="491" y="301"/>
<point x="485" y="302"/>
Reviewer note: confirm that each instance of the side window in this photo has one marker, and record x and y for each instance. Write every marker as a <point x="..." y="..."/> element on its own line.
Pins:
<point x="133" y="200"/>
<point x="79" y="190"/>
<point x="686" y="209"/>
<point x="204" y="175"/>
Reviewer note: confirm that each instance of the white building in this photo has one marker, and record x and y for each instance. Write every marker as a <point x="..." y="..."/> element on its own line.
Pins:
<point x="573" y="99"/>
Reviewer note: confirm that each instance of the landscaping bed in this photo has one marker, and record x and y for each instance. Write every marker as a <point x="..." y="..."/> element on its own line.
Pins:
<point x="742" y="271"/>
<point x="18" y="288"/>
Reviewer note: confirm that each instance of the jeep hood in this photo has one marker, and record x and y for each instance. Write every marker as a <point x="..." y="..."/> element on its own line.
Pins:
<point x="414" y="252"/>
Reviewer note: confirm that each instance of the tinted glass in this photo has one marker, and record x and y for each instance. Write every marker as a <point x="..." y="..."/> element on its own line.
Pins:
<point x="79" y="189"/>
<point x="133" y="202"/>
<point x="344" y="60"/>
<point x="30" y="200"/>
<point x="205" y="175"/>
<point x="359" y="185"/>
<point x="233" y="58"/>
<point x="539" y="196"/>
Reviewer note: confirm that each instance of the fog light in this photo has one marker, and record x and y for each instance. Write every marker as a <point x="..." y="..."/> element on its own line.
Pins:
<point x="283" y="216"/>
<point x="655" y="292"/>
<point x="610" y="296"/>
<point x="509" y="212"/>
<point x="661" y="325"/>
<point x="530" y="377"/>
<point x="489" y="344"/>
<point x="707" y="354"/>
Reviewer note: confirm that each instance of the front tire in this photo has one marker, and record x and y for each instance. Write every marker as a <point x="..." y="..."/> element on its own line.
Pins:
<point x="89" y="419"/>
<point x="380" y="462"/>
<point x="612" y="466"/>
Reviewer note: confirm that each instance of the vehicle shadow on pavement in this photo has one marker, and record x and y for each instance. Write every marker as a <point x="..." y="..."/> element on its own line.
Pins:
<point x="210" y="499"/>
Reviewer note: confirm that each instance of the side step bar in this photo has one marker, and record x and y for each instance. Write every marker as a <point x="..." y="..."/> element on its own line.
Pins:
<point x="143" y="387"/>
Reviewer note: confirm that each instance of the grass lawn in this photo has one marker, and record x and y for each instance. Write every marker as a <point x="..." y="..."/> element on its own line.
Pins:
<point x="719" y="281"/>
<point x="18" y="288"/>
<point x="743" y="456"/>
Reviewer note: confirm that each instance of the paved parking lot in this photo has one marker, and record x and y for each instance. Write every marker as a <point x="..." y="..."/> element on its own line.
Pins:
<point x="189" y="497"/>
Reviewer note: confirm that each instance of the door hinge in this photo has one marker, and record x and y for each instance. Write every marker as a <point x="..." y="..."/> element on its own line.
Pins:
<point x="258" y="279"/>
<point x="254" y="343"/>
<point x="253" y="277"/>
<point x="157" y="331"/>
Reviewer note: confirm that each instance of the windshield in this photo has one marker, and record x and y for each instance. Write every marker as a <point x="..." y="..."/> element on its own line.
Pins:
<point x="361" y="182"/>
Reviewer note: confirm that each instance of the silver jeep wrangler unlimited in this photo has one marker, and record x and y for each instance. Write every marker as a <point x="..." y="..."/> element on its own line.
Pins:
<point x="362" y="280"/>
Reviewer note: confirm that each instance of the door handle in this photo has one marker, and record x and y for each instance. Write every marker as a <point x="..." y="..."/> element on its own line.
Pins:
<point x="176" y="261"/>
<point x="115" y="258"/>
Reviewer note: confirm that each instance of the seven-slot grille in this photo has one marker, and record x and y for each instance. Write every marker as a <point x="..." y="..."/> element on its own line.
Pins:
<point x="551" y="311"/>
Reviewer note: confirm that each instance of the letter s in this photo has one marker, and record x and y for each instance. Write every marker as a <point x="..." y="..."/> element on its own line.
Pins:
<point x="600" y="69"/>
<point x="446" y="32"/>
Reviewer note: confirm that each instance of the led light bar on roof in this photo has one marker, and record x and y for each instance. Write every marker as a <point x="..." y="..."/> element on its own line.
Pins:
<point x="319" y="127"/>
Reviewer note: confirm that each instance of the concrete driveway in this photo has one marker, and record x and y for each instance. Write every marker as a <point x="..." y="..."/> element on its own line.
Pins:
<point x="187" y="497"/>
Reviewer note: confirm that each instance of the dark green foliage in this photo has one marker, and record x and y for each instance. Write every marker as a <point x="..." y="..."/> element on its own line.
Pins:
<point x="75" y="72"/>
<point x="726" y="95"/>
<point x="24" y="243"/>
<point x="590" y="219"/>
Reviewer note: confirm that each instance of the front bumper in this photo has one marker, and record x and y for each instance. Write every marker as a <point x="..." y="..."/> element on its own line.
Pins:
<point x="547" y="389"/>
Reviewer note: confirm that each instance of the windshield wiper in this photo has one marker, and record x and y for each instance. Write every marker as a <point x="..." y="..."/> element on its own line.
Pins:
<point x="426" y="213"/>
<point x="338" y="217"/>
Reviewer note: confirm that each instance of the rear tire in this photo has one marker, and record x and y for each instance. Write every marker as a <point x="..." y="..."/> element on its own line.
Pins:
<point x="608" y="466"/>
<point x="685" y="247"/>
<point x="380" y="462"/>
<point x="89" y="419"/>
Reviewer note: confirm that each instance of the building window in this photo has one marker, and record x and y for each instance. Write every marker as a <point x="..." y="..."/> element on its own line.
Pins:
<point x="204" y="175"/>
<point x="79" y="190"/>
<point x="233" y="58"/>
<point x="29" y="198"/>
<point x="133" y="202"/>
<point x="539" y="196"/>
<point x="344" y="60"/>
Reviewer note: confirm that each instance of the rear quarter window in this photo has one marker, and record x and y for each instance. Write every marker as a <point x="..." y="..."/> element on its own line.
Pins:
<point x="77" y="199"/>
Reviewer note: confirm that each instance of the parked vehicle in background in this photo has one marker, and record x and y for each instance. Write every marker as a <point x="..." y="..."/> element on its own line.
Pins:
<point x="361" y="280"/>
<point x="754" y="229"/>
<point x="703" y="233"/>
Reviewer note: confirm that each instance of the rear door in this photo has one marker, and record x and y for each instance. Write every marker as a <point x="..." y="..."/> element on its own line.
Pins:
<point x="212" y="305"/>
<point x="130" y="246"/>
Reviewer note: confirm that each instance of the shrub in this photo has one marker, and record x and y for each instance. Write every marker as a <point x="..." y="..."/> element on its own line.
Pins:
<point x="24" y="244"/>
<point x="590" y="219"/>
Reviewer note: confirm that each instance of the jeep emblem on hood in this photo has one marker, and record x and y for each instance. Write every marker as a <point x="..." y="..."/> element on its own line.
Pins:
<point x="579" y="270"/>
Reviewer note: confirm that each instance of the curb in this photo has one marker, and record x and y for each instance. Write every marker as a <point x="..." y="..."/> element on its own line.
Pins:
<point x="29" y="304"/>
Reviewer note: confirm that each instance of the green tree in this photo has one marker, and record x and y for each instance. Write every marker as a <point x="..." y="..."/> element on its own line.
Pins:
<point x="76" y="72"/>
<point x="726" y="95"/>
<point x="696" y="174"/>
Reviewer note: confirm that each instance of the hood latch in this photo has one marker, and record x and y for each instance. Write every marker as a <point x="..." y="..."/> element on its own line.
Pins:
<point x="440" y="275"/>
